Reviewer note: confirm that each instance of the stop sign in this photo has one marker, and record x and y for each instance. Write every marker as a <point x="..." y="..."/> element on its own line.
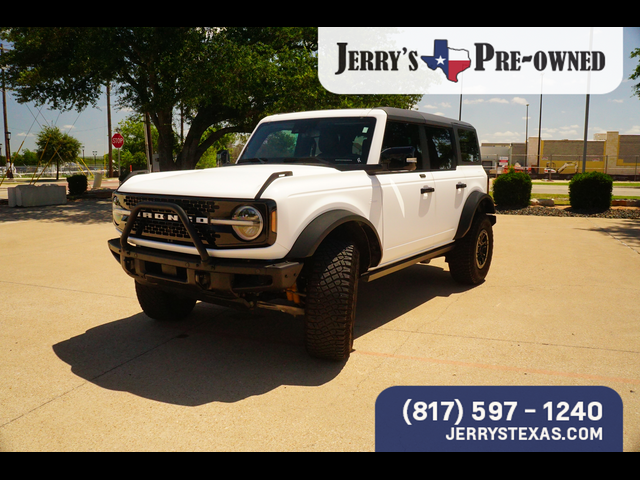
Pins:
<point x="118" y="141"/>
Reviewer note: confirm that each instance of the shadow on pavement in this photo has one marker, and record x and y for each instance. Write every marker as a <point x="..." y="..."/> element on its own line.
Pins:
<point x="222" y="355"/>
<point x="627" y="231"/>
<point x="86" y="211"/>
<point x="396" y="295"/>
<point x="218" y="355"/>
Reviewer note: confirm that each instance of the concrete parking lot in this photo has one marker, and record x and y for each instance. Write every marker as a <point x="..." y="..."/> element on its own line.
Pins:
<point x="82" y="369"/>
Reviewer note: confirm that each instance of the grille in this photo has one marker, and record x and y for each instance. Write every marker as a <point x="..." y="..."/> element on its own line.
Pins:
<point x="190" y="205"/>
<point x="212" y="236"/>
<point x="174" y="232"/>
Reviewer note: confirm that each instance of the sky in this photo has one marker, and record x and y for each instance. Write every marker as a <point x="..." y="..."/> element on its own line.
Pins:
<point x="498" y="119"/>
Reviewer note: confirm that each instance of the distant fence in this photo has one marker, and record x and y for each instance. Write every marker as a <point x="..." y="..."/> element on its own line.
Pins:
<point x="66" y="170"/>
<point x="565" y="166"/>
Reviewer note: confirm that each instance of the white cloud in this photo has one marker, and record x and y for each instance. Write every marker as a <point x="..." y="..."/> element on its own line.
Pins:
<point x="437" y="106"/>
<point x="635" y="130"/>
<point x="571" y="132"/>
<point x="504" y="137"/>
<point x="506" y="134"/>
<point x="503" y="101"/>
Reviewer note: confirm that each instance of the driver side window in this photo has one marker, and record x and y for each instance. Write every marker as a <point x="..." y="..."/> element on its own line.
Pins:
<point x="404" y="137"/>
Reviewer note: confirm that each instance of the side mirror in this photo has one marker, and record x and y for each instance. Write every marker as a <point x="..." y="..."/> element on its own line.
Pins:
<point x="400" y="158"/>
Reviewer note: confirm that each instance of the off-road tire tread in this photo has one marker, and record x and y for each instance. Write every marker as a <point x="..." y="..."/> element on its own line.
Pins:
<point x="462" y="263"/>
<point x="332" y="293"/>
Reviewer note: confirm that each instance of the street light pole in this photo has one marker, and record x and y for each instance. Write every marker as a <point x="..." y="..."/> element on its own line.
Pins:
<point x="588" y="108"/>
<point x="540" y="135"/>
<point x="586" y="135"/>
<point x="526" y="142"/>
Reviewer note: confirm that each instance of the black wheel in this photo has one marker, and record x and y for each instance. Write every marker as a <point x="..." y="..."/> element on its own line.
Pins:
<point x="470" y="262"/>
<point x="332" y="295"/>
<point x="162" y="306"/>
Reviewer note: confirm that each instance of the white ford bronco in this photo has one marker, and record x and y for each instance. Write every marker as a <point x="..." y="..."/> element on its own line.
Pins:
<point x="317" y="203"/>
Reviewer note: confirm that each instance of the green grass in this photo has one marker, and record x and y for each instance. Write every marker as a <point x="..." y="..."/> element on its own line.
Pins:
<point x="566" y="200"/>
<point x="566" y="184"/>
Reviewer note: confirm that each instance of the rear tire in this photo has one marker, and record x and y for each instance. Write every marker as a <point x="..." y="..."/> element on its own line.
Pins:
<point x="332" y="295"/>
<point x="470" y="262"/>
<point x="162" y="306"/>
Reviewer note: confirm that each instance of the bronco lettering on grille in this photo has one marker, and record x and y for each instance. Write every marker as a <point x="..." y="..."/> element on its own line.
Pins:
<point x="167" y="217"/>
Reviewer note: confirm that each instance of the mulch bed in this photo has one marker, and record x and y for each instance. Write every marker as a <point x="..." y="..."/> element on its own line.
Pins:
<point x="614" y="212"/>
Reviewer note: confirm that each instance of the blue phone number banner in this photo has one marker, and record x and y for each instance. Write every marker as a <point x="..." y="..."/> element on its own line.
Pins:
<point x="499" y="419"/>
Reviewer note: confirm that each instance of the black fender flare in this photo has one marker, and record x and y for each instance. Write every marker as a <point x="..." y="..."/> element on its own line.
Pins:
<point x="477" y="202"/>
<point x="339" y="221"/>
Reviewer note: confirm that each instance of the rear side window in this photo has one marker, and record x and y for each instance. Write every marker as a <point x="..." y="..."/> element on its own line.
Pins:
<point x="440" y="147"/>
<point x="469" y="149"/>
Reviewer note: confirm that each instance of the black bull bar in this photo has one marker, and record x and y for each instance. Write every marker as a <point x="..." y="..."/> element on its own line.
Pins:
<point x="202" y="275"/>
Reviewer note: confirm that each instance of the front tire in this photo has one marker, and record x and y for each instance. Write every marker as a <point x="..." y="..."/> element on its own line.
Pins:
<point x="332" y="295"/>
<point x="471" y="260"/>
<point x="162" y="306"/>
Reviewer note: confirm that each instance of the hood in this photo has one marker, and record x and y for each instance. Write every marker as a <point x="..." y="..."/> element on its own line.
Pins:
<point x="242" y="181"/>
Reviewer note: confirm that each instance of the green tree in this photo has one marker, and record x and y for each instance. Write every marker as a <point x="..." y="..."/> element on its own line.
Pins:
<point x="228" y="78"/>
<point x="636" y="74"/>
<point x="55" y="146"/>
<point x="26" y="158"/>
<point x="132" y="129"/>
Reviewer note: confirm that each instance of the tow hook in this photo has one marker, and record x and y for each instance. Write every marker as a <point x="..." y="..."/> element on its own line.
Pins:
<point x="293" y="295"/>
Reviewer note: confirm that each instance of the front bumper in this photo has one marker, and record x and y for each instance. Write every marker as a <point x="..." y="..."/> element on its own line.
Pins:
<point x="200" y="277"/>
<point x="190" y="274"/>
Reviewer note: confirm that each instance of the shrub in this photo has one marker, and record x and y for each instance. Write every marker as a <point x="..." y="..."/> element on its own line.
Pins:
<point x="513" y="190"/>
<point x="78" y="185"/>
<point x="591" y="191"/>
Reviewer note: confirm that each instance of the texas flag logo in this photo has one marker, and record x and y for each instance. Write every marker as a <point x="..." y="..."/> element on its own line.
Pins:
<point x="452" y="62"/>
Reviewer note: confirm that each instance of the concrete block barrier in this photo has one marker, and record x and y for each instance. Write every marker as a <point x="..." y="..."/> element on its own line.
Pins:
<point x="32" y="196"/>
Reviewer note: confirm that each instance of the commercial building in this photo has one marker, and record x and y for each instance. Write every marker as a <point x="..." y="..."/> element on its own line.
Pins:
<point x="611" y="153"/>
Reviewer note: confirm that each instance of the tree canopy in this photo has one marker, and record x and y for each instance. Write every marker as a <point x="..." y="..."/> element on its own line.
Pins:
<point x="636" y="74"/>
<point x="56" y="147"/>
<point x="228" y="78"/>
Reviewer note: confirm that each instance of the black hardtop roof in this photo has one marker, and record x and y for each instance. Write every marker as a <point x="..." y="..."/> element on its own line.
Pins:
<point x="412" y="116"/>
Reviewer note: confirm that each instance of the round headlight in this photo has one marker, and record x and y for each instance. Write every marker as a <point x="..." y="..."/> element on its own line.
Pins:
<point x="248" y="223"/>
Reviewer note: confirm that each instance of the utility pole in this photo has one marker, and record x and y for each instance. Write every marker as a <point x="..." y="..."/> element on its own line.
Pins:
<point x="148" y="142"/>
<point x="7" y="135"/>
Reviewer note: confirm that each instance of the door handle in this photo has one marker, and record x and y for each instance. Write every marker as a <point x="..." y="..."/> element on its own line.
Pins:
<point x="426" y="190"/>
<point x="461" y="186"/>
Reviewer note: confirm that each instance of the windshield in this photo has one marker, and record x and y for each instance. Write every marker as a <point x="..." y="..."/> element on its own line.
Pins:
<point x="327" y="141"/>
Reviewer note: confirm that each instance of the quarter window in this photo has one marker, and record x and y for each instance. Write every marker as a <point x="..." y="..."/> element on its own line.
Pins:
<point x="469" y="148"/>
